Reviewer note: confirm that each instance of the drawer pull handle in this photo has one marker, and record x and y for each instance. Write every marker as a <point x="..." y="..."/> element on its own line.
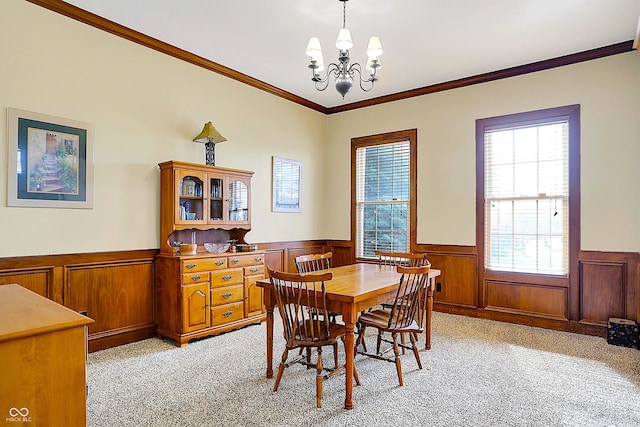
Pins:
<point x="227" y="313"/>
<point x="191" y="266"/>
<point x="227" y="295"/>
<point x="254" y="270"/>
<point x="227" y="277"/>
<point x="235" y="261"/>
<point x="219" y="263"/>
<point x="196" y="277"/>
<point x="258" y="259"/>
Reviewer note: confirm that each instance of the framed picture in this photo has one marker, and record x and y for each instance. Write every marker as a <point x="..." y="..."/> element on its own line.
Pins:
<point x="287" y="185"/>
<point x="50" y="161"/>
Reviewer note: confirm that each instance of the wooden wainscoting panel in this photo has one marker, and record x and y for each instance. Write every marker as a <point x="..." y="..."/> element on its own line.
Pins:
<point x="609" y="286"/>
<point x="116" y="289"/>
<point x="290" y="250"/>
<point x="38" y="280"/>
<point x="295" y="252"/>
<point x="342" y="252"/>
<point x="122" y="293"/>
<point x="274" y="259"/>
<point x="526" y="299"/>
<point x="602" y="291"/>
<point x="458" y="282"/>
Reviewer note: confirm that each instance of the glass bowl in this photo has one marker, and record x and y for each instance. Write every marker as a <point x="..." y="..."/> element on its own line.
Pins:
<point x="216" y="248"/>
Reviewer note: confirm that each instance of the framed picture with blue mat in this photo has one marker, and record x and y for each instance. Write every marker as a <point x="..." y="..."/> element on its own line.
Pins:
<point x="50" y="161"/>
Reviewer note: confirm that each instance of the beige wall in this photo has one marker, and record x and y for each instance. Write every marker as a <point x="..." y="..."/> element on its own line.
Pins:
<point x="147" y="107"/>
<point x="608" y="91"/>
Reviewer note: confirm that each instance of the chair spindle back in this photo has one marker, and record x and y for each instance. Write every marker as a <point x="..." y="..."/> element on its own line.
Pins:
<point x="313" y="262"/>
<point x="402" y="259"/>
<point x="294" y="294"/>
<point x="407" y="306"/>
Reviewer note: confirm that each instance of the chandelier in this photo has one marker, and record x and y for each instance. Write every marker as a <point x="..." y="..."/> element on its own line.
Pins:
<point x="343" y="72"/>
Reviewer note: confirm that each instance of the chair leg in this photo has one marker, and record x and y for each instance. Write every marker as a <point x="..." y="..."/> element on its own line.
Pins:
<point x="364" y="344"/>
<point x="402" y="340"/>
<point x="319" y="379"/>
<point x="360" y="339"/>
<point x="285" y="354"/>
<point x="335" y="355"/>
<point x="355" y="374"/>
<point x="396" y="351"/>
<point x="416" y="353"/>
<point x="379" y="342"/>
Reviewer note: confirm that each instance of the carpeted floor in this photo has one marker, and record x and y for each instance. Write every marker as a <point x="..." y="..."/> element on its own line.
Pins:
<point x="478" y="373"/>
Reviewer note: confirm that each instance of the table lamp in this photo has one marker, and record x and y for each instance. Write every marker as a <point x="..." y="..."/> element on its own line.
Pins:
<point x="210" y="137"/>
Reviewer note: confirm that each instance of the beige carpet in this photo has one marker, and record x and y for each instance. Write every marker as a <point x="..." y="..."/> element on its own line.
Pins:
<point x="478" y="373"/>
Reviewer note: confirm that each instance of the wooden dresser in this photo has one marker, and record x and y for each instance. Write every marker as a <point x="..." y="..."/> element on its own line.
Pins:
<point x="207" y="294"/>
<point x="43" y="354"/>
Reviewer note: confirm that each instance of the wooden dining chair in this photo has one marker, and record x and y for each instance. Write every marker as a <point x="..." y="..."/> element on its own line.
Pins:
<point x="401" y="259"/>
<point x="405" y="316"/>
<point x="295" y="293"/>
<point x="312" y="263"/>
<point x="309" y="264"/>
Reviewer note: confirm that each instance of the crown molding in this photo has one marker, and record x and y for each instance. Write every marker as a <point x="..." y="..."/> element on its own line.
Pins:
<point x="101" y="23"/>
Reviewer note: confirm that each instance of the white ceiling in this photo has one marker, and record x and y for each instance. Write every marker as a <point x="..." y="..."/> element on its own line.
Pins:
<point x="425" y="41"/>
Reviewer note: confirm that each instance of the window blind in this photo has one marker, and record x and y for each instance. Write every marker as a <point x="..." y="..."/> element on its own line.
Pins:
<point x="382" y="198"/>
<point x="527" y="198"/>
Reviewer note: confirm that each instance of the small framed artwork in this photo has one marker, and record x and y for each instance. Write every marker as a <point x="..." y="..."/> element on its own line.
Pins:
<point x="50" y="161"/>
<point x="287" y="185"/>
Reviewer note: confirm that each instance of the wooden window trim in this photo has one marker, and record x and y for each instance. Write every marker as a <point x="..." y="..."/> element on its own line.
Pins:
<point x="572" y="114"/>
<point x="410" y="135"/>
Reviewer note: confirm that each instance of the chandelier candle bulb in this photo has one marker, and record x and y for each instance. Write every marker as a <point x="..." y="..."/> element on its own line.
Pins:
<point x="319" y="62"/>
<point x="373" y="63"/>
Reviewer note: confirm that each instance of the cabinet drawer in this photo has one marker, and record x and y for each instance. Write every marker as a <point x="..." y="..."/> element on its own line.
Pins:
<point x="246" y="260"/>
<point x="227" y="313"/>
<point x="232" y="276"/>
<point x="203" y="264"/>
<point x="227" y="295"/>
<point x="254" y="270"/>
<point x="195" y="277"/>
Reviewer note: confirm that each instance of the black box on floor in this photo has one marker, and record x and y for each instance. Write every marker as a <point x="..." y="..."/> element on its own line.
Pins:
<point x="623" y="332"/>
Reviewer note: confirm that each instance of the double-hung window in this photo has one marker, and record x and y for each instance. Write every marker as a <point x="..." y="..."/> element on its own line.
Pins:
<point x="383" y="193"/>
<point x="526" y="191"/>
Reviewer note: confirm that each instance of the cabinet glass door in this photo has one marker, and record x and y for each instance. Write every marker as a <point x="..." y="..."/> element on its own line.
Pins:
<point x="190" y="208"/>
<point x="216" y="198"/>
<point x="238" y="201"/>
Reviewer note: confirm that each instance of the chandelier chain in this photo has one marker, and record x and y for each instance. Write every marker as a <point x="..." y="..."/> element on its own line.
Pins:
<point x="344" y="14"/>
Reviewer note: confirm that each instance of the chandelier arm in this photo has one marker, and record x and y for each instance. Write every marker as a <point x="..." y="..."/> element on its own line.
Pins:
<point x="322" y="83"/>
<point x="356" y="68"/>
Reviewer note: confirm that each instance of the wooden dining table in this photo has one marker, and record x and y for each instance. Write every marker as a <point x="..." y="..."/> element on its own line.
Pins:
<point x="353" y="288"/>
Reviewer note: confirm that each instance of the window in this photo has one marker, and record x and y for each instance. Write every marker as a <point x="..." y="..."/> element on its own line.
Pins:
<point x="383" y="196"/>
<point x="525" y="189"/>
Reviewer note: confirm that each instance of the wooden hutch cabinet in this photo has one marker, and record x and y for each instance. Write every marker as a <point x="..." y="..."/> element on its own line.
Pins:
<point x="203" y="293"/>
